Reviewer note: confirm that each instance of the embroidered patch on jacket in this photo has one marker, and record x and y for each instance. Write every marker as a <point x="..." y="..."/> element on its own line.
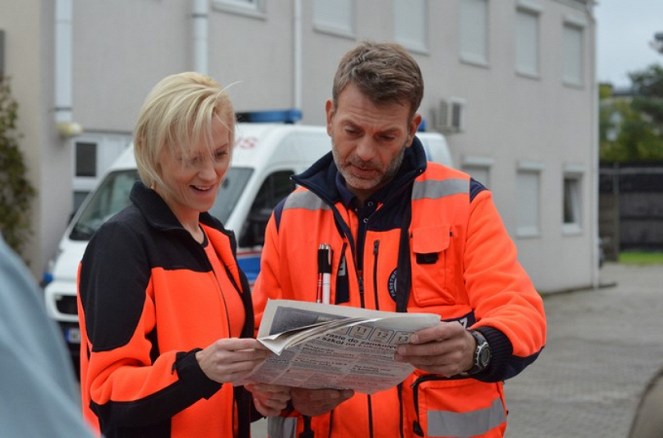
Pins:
<point x="391" y="284"/>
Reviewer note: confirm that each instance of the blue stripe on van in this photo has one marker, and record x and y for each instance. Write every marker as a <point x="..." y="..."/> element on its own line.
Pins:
<point x="249" y="262"/>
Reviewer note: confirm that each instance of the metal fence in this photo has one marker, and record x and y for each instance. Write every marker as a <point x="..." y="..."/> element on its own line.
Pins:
<point x="630" y="207"/>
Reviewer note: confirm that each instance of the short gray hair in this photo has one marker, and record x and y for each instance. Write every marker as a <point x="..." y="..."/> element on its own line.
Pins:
<point x="383" y="72"/>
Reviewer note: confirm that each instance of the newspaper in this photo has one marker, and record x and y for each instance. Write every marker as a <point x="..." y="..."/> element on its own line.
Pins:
<point x="329" y="346"/>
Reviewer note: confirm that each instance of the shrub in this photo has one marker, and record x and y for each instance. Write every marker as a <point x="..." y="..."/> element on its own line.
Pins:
<point x="16" y="191"/>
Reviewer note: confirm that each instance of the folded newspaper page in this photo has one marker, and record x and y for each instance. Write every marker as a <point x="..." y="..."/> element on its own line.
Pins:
<point x="329" y="346"/>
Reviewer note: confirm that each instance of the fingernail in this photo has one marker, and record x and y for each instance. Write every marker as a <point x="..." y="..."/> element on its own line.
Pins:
<point x="414" y="339"/>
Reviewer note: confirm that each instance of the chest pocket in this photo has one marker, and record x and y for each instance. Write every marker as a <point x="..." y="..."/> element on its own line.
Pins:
<point x="432" y="266"/>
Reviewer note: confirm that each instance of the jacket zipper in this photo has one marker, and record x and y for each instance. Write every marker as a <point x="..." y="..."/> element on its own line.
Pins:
<point x="360" y="280"/>
<point x="376" y="247"/>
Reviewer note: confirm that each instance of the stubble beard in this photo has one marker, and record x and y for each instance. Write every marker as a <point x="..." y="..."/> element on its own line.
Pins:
<point x="364" y="184"/>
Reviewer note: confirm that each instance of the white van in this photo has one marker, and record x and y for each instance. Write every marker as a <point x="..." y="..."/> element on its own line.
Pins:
<point x="265" y="156"/>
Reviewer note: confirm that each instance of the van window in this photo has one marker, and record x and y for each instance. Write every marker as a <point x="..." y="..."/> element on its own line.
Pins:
<point x="111" y="197"/>
<point x="275" y="187"/>
<point x="230" y="192"/>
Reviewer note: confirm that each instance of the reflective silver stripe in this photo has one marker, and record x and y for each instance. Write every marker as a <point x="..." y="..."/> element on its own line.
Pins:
<point x="445" y="423"/>
<point x="305" y="200"/>
<point x="431" y="189"/>
<point x="280" y="427"/>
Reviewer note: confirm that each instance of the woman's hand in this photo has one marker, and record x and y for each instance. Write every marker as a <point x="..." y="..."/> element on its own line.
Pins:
<point x="314" y="402"/>
<point x="230" y="360"/>
<point x="269" y="400"/>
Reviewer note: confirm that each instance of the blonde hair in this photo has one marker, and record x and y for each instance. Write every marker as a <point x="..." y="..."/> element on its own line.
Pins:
<point x="177" y="112"/>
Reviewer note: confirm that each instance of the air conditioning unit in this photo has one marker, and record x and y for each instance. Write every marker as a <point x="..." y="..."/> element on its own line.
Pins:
<point x="450" y="115"/>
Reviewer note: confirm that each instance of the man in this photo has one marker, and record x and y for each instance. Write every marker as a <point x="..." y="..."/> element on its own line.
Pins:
<point x="406" y="235"/>
<point x="36" y="374"/>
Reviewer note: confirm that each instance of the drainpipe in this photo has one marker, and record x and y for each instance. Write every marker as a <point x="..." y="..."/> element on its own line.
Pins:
<point x="297" y="49"/>
<point x="594" y="212"/>
<point x="200" y="19"/>
<point x="66" y="127"/>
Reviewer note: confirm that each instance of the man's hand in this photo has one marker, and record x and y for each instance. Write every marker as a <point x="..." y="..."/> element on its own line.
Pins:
<point x="313" y="402"/>
<point x="446" y="349"/>
<point x="269" y="400"/>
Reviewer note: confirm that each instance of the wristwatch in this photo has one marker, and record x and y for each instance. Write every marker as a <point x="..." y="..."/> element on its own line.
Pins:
<point x="481" y="357"/>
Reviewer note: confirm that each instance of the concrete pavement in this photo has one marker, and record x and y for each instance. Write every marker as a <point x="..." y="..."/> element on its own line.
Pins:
<point x="603" y="347"/>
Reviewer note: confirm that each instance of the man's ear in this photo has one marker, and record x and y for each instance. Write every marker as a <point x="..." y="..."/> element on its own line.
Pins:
<point x="329" y="110"/>
<point x="412" y="129"/>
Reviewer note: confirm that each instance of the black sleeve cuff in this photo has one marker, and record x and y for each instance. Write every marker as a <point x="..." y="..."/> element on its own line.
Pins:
<point x="192" y="375"/>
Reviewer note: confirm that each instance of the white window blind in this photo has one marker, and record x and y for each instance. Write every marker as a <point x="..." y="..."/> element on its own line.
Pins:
<point x="335" y="16"/>
<point x="528" y="201"/>
<point x="474" y="31"/>
<point x="410" y="23"/>
<point x="573" y="65"/>
<point x="527" y="42"/>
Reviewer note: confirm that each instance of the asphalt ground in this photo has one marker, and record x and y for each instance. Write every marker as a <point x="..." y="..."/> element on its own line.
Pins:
<point x="603" y="346"/>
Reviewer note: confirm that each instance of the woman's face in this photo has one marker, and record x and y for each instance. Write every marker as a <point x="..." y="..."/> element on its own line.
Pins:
<point x="192" y="181"/>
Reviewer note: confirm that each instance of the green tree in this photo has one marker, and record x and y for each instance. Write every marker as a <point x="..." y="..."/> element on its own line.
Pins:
<point x="16" y="191"/>
<point x="631" y="128"/>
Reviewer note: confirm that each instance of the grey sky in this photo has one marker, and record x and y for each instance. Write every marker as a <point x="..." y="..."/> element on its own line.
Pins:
<point x="624" y="30"/>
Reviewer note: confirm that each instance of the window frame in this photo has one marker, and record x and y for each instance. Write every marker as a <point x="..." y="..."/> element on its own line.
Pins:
<point x="535" y="10"/>
<point x="572" y="22"/>
<point x="348" y="31"/>
<point x="411" y="44"/>
<point x="469" y="57"/>
<point x="576" y="175"/>
<point x="480" y="164"/>
<point x="249" y="8"/>
<point x="529" y="168"/>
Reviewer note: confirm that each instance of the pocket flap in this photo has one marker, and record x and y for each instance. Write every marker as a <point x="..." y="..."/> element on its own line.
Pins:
<point x="430" y="240"/>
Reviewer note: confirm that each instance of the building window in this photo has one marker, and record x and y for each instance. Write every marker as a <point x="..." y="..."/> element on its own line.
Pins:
<point x="478" y="168"/>
<point x="474" y="31"/>
<point x="334" y="16"/>
<point x="573" y="54"/>
<point x="254" y="8"/>
<point x="410" y="24"/>
<point x="527" y="40"/>
<point x="86" y="159"/>
<point x="528" y="200"/>
<point x="572" y="205"/>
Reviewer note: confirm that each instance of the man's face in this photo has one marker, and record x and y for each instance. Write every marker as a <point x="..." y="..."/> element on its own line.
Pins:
<point x="368" y="141"/>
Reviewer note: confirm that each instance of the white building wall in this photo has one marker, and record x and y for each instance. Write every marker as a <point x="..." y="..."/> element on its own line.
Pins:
<point x="122" y="48"/>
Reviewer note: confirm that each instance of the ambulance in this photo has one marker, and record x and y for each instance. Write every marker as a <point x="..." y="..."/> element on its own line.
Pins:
<point x="266" y="155"/>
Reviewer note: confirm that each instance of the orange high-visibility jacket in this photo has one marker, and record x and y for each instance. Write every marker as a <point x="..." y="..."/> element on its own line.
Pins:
<point x="148" y="301"/>
<point x="431" y="241"/>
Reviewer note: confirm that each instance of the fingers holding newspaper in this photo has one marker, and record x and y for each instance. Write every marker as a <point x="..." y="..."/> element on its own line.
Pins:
<point x="312" y="402"/>
<point x="230" y="360"/>
<point x="446" y="349"/>
<point x="269" y="400"/>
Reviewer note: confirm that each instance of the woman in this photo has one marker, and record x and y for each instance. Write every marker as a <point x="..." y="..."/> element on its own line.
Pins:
<point x="164" y="310"/>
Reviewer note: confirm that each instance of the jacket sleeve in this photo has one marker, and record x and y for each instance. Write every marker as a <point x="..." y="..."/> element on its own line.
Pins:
<point x="128" y="382"/>
<point x="508" y="309"/>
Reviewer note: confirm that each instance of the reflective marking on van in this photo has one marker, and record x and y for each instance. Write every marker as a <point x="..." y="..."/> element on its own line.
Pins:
<point x="447" y="423"/>
<point x="305" y="200"/>
<point x="430" y="189"/>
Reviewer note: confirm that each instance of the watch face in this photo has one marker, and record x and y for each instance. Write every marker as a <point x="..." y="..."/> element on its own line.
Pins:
<point x="484" y="357"/>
